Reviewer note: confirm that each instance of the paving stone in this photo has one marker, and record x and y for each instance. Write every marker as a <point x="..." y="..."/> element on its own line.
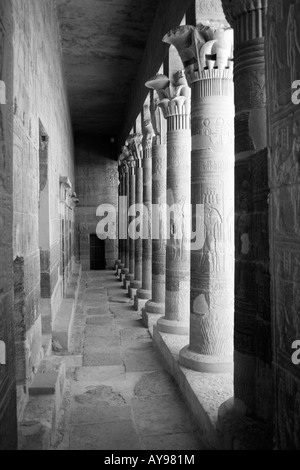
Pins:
<point x="116" y="435"/>
<point x="100" y="320"/>
<point x="90" y="414"/>
<point x="98" y="311"/>
<point x="121" y="397"/>
<point x="99" y="374"/>
<point x="101" y="395"/>
<point x="182" y="441"/>
<point x="161" y="415"/>
<point x="102" y="359"/>
<point x="141" y="361"/>
<point x="154" y="383"/>
<point x="101" y="331"/>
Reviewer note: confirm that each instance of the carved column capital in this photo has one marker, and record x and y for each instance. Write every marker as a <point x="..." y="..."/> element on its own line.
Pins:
<point x="148" y="132"/>
<point x="174" y="97"/>
<point x="206" y="53"/>
<point x="135" y="146"/>
<point x="157" y="120"/>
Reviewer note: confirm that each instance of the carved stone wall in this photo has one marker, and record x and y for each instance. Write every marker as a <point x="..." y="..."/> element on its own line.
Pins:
<point x="283" y="68"/>
<point x="39" y="96"/>
<point x="252" y="330"/>
<point x="8" y="425"/>
<point x="96" y="184"/>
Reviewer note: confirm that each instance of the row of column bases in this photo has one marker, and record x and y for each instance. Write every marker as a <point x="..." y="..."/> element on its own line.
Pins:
<point x="185" y="285"/>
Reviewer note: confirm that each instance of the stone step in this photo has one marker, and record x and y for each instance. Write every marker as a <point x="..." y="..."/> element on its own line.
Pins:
<point x="40" y="418"/>
<point x="63" y="324"/>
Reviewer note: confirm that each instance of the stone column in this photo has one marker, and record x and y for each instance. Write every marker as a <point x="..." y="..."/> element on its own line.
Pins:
<point x="209" y="71"/>
<point x="130" y="276"/>
<point x="121" y="261"/>
<point x="282" y="66"/>
<point x="136" y="148"/>
<point x="175" y="103"/>
<point x="144" y="294"/>
<point x="125" y="270"/>
<point x="155" y="308"/>
<point x="252" y="336"/>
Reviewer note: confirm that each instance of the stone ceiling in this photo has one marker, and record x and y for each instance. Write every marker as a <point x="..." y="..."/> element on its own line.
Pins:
<point x="103" y="43"/>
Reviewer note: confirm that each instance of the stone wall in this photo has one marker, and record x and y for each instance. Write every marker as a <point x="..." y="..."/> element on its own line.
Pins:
<point x="43" y="152"/>
<point x="283" y="68"/>
<point x="7" y="370"/>
<point x="97" y="181"/>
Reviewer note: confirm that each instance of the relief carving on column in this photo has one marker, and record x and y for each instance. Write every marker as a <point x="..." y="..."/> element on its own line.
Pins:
<point x="158" y="121"/>
<point x="148" y="131"/>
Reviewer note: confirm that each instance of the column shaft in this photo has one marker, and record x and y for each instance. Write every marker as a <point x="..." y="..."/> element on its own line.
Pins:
<point x="156" y="306"/>
<point x="144" y="293"/>
<point x="125" y="270"/>
<point x="253" y="332"/>
<point x="212" y="186"/>
<point x="130" y="276"/>
<point x="137" y="283"/>
<point x="177" y="293"/>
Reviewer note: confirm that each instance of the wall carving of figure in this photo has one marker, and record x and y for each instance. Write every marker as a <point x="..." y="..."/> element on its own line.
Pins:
<point x="293" y="44"/>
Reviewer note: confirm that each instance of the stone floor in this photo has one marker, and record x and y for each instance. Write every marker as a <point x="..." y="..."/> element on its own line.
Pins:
<point x="118" y="395"/>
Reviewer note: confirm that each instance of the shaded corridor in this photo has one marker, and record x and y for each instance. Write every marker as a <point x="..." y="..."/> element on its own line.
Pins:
<point x="121" y="398"/>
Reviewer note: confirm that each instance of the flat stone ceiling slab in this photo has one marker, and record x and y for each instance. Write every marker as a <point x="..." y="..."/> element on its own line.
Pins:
<point x="103" y="43"/>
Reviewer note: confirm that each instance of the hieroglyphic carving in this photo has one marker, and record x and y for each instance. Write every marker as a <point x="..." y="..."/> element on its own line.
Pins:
<point x="207" y="57"/>
<point x="174" y="101"/>
<point x="219" y="130"/>
<point x="293" y="43"/>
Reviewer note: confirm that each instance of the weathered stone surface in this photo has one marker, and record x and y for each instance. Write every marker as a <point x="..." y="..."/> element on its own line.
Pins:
<point x="96" y="184"/>
<point x="252" y="337"/>
<point x="282" y="63"/>
<point x="8" y="425"/>
<point x="159" y="185"/>
<point x="212" y="194"/>
<point x="175" y="103"/>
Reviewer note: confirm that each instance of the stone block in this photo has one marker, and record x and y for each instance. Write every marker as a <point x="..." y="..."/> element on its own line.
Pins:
<point x="63" y="324"/>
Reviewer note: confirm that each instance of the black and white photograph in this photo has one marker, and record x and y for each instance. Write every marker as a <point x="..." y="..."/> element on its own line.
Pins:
<point x="150" y="228"/>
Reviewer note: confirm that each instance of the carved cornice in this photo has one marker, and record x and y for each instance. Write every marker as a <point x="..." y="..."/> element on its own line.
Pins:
<point x="206" y="53"/>
<point x="174" y="98"/>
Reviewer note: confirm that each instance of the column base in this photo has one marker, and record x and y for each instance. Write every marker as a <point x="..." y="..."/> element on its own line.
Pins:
<point x="119" y="273"/>
<point x="141" y="298"/>
<point x="151" y="313"/>
<point x="119" y="270"/>
<point x="131" y="292"/>
<point x="136" y="284"/>
<point x="117" y="263"/>
<point x="203" y="363"/>
<point x="128" y="279"/>
<point x="172" y="327"/>
<point x="149" y="319"/>
<point x="237" y="431"/>
<point x="124" y="272"/>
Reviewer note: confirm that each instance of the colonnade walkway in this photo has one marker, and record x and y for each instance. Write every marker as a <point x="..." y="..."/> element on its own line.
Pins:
<point x="118" y="395"/>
